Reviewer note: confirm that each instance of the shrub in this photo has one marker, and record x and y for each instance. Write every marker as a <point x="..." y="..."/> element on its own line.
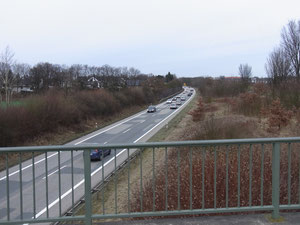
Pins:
<point x="278" y="116"/>
<point x="248" y="104"/>
<point x="198" y="113"/>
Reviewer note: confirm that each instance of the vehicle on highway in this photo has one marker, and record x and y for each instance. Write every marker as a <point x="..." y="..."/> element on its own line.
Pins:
<point x="99" y="154"/>
<point x="173" y="106"/>
<point x="178" y="102"/>
<point x="182" y="98"/>
<point x="169" y="101"/>
<point x="190" y="94"/>
<point x="151" y="109"/>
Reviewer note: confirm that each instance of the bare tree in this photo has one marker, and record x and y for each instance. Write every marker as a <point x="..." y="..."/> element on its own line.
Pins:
<point x="245" y="71"/>
<point x="6" y="75"/>
<point x="291" y="44"/>
<point x="278" y="66"/>
<point x="20" y="71"/>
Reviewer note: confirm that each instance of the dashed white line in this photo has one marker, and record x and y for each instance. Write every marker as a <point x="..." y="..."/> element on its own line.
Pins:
<point x="126" y="131"/>
<point x="97" y="170"/>
<point x="26" y="167"/>
<point x="54" y="172"/>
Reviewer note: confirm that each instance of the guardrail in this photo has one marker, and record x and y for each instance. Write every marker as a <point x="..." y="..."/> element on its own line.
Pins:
<point x="175" y="178"/>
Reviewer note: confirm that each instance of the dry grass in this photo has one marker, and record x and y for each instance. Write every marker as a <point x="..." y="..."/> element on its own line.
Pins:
<point x="217" y="126"/>
<point x="64" y="135"/>
<point x="225" y="125"/>
<point x="208" y="173"/>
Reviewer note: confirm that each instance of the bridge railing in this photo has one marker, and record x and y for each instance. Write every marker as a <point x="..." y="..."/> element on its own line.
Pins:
<point x="150" y="179"/>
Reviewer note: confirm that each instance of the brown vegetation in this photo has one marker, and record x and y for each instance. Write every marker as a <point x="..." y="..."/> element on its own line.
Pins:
<point x="224" y="124"/>
<point x="48" y="112"/>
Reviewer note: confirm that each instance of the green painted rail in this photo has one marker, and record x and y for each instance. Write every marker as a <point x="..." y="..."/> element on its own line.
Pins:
<point x="202" y="174"/>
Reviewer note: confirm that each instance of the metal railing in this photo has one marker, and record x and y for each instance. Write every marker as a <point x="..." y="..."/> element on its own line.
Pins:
<point x="170" y="178"/>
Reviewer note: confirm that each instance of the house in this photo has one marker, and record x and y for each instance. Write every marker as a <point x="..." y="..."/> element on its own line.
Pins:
<point x="263" y="80"/>
<point x="93" y="82"/>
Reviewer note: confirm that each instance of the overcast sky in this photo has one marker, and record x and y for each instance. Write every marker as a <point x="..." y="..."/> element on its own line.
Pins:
<point x="185" y="37"/>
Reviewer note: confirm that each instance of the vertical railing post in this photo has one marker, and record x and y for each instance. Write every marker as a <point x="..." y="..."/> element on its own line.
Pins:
<point x="87" y="187"/>
<point x="275" y="179"/>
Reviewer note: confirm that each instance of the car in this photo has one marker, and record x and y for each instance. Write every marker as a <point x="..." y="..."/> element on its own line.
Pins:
<point x="174" y="99"/>
<point x="178" y="102"/>
<point x="99" y="154"/>
<point x="190" y="94"/>
<point x="173" y="106"/>
<point x="169" y="101"/>
<point x="182" y="98"/>
<point x="151" y="108"/>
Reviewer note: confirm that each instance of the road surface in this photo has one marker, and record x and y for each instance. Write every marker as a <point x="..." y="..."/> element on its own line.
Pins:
<point x="137" y="128"/>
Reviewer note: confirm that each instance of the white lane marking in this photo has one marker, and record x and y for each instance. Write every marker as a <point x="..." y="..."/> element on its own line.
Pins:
<point x="143" y="121"/>
<point x="26" y="167"/>
<point x="126" y="131"/>
<point x="101" y="132"/>
<point x="17" y="171"/>
<point x="97" y="170"/>
<point x="54" y="172"/>
<point x="75" y="187"/>
<point x="105" y="143"/>
<point x="146" y="128"/>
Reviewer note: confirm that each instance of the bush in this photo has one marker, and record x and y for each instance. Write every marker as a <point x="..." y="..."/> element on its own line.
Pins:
<point x="40" y="114"/>
<point x="248" y="104"/>
<point x="278" y="116"/>
<point x="198" y="113"/>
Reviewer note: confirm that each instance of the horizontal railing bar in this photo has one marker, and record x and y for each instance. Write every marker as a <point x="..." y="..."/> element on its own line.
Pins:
<point x="45" y="220"/>
<point x="152" y="144"/>
<point x="157" y="213"/>
<point x="292" y="206"/>
<point x="184" y="212"/>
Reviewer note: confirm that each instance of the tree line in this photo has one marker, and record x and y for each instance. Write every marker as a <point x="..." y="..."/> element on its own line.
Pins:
<point x="43" y="76"/>
<point x="283" y="65"/>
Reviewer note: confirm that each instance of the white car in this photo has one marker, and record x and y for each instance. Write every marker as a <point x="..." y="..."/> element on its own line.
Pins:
<point x="178" y="102"/>
<point x="173" y="106"/>
<point x="182" y="98"/>
<point x="169" y="101"/>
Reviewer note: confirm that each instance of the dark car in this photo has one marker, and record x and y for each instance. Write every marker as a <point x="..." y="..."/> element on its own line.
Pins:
<point x="99" y="154"/>
<point x="151" y="108"/>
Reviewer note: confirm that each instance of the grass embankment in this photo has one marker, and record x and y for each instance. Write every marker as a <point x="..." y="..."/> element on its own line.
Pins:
<point x="219" y="121"/>
<point x="64" y="135"/>
<point x="135" y="173"/>
<point x="55" y="118"/>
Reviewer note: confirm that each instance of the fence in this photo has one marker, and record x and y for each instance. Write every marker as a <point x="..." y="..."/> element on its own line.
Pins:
<point x="170" y="178"/>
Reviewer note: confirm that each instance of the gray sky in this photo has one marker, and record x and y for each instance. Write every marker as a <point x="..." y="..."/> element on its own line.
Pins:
<point x="186" y="37"/>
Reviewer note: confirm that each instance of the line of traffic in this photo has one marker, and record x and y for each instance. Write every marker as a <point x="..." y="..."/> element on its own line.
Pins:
<point x="105" y="164"/>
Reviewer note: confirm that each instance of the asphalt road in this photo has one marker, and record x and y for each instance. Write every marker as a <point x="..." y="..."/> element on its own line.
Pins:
<point x="57" y="200"/>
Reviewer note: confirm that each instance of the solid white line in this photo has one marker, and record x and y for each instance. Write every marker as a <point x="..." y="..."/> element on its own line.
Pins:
<point x="54" y="172"/>
<point x="126" y="131"/>
<point x="146" y="128"/>
<point x="101" y="132"/>
<point x="17" y="171"/>
<point x="97" y="170"/>
<point x="26" y="167"/>
<point x="105" y="143"/>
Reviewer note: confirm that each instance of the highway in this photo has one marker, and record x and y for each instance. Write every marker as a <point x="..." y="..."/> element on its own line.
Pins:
<point x="137" y="128"/>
